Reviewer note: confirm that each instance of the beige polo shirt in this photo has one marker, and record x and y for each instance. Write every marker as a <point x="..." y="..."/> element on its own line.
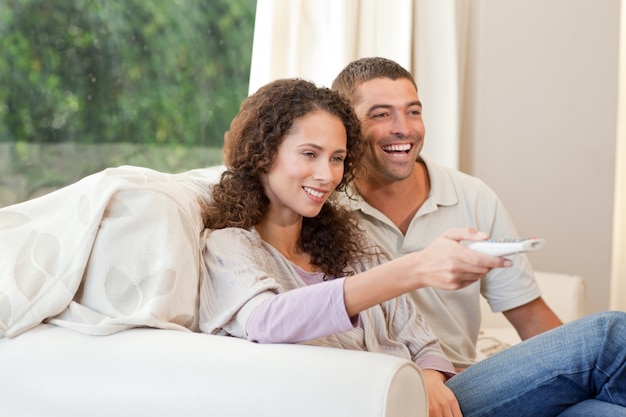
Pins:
<point x="455" y="200"/>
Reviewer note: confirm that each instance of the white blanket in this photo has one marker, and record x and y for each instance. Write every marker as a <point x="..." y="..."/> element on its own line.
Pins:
<point x="118" y="249"/>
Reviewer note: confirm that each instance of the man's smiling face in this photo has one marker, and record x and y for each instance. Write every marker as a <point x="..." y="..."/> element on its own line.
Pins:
<point x="391" y="120"/>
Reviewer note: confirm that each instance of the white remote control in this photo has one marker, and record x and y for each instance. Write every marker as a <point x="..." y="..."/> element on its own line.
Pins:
<point x="507" y="246"/>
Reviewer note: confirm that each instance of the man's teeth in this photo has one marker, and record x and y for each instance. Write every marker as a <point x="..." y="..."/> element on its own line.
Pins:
<point x="397" y="148"/>
<point x="313" y="192"/>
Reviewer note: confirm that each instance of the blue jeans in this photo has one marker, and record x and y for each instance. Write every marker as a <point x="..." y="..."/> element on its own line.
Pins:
<point x="578" y="369"/>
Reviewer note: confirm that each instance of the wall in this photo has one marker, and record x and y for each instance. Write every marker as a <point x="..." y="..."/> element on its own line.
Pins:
<point x="618" y="270"/>
<point x="540" y="126"/>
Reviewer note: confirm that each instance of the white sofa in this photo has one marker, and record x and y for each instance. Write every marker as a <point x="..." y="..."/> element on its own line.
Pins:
<point x="52" y="371"/>
<point x="126" y="367"/>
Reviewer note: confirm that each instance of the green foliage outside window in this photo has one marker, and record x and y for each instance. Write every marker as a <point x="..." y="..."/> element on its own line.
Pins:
<point x="89" y="84"/>
<point x="96" y="71"/>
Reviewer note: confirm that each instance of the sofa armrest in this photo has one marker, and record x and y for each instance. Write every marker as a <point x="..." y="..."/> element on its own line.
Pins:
<point x="51" y="371"/>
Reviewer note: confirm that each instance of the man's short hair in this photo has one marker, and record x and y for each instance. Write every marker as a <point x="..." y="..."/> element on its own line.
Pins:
<point x="366" y="69"/>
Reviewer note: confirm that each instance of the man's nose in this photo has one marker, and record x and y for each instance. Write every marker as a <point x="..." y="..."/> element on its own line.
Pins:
<point x="400" y="126"/>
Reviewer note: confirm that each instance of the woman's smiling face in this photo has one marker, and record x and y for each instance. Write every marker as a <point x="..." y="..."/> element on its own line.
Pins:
<point x="308" y="166"/>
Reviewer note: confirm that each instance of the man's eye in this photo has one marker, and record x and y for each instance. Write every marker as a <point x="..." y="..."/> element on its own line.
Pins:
<point x="379" y="115"/>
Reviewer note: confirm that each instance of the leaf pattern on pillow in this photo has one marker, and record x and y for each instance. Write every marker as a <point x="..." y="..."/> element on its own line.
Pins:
<point x="129" y="297"/>
<point x="38" y="260"/>
<point x="12" y="219"/>
<point x="160" y="283"/>
<point x="122" y="292"/>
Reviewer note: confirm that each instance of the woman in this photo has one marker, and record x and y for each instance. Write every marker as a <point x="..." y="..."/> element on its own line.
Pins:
<point x="288" y="265"/>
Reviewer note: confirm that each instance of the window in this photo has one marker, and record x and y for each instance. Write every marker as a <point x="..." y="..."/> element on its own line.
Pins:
<point x="88" y="84"/>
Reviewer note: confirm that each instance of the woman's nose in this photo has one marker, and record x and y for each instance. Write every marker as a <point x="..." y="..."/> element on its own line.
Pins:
<point x="323" y="171"/>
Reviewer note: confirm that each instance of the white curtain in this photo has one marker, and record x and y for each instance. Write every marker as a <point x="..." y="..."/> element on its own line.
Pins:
<point x="315" y="39"/>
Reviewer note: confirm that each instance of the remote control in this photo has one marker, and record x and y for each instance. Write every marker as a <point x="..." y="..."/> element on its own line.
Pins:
<point x="507" y="246"/>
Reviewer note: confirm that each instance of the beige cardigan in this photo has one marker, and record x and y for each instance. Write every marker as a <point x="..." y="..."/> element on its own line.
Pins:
<point x="243" y="271"/>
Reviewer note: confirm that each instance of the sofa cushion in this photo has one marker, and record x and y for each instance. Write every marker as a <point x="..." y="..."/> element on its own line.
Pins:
<point x="565" y="294"/>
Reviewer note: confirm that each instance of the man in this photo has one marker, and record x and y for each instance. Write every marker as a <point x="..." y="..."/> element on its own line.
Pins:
<point x="405" y="202"/>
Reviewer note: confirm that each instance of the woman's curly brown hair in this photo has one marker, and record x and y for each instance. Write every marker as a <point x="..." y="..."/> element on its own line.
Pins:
<point x="332" y="238"/>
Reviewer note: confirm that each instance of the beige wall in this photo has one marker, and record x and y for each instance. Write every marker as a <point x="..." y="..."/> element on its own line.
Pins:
<point x="540" y="126"/>
<point x="618" y="283"/>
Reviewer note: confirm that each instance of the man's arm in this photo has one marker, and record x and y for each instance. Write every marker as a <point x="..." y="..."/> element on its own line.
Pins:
<point x="532" y="318"/>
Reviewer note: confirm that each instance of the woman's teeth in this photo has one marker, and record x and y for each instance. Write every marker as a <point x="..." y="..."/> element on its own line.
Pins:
<point x="314" y="193"/>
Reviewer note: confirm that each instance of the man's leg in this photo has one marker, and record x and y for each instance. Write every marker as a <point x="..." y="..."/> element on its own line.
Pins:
<point x="551" y="372"/>
<point x="592" y="408"/>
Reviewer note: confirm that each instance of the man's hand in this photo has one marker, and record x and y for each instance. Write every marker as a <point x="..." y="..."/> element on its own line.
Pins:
<point x="441" y="400"/>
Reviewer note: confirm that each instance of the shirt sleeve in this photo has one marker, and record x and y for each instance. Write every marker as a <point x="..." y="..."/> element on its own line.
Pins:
<point x="507" y="288"/>
<point x="300" y="315"/>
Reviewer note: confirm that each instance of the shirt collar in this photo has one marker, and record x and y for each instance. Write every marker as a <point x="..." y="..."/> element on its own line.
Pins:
<point x="442" y="189"/>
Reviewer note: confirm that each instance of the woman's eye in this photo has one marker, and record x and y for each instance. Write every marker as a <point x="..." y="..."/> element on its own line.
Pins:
<point x="337" y="158"/>
<point x="309" y="155"/>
